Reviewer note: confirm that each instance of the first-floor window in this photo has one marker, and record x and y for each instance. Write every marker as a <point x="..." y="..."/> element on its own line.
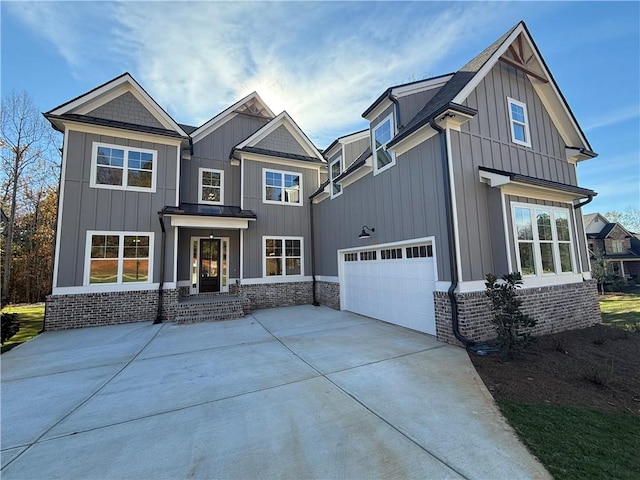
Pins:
<point x="283" y="256"/>
<point x="543" y="239"/>
<point x="115" y="257"/>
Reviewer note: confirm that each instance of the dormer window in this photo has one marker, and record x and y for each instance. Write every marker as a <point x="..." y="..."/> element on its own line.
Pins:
<point x="382" y="133"/>
<point x="519" y="122"/>
<point x="335" y="169"/>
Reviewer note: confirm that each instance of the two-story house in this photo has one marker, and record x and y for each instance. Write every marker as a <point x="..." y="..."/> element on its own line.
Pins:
<point x="619" y="248"/>
<point x="456" y="176"/>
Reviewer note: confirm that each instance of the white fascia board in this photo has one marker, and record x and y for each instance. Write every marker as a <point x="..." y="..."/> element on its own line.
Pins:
<point x="428" y="84"/>
<point x="199" y="221"/>
<point x="114" y="89"/>
<point x="379" y="110"/>
<point x="118" y="132"/>
<point x="494" y="179"/>
<point x="541" y="193"/>
<point x="257" y="157"/>
<point x="354" y="137"/>
<point x="226" y="115"/>
<point x="418" y="137"/>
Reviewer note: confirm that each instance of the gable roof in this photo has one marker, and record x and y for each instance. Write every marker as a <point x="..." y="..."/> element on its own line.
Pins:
<point x="283" y="119"/>
<point x="591" y="218"/>
<point x="87" y="102"/>
<point x="348" y="138"/>
<point x="465" y="80"/>
<point x="242" y="106"/>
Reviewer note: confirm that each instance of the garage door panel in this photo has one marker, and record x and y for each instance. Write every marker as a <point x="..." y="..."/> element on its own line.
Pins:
<point x="398" y="291"/>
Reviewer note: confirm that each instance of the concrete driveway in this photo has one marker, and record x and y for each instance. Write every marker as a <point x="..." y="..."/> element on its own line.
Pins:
<point x="299" y="392"/>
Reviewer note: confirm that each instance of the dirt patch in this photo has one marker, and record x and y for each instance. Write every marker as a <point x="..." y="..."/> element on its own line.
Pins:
<point x="596" y="367"/>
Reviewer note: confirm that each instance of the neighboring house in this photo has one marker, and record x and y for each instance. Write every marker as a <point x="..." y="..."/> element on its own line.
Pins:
<point x="457" y="176"/>
<point x="615" y="244"/>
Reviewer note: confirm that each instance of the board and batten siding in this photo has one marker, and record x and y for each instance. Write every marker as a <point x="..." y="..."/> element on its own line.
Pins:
<point x="401" y="203"/>
<point x="486" y="141"/>
<point x="354" y="149"/>
<point x="411" y="104"/>
<point x="85" y="208"/>
<point x="275" y="220"/>
<point x="213" y="152"/>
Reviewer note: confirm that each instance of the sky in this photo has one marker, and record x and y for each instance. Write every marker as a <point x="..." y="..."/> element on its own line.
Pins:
<point x="325" y="63"/>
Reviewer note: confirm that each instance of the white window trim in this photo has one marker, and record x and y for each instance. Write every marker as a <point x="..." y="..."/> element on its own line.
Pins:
<point x="201" y="170"/>
<point x="87" y="258"/>
<point x="337" y="160"/>
<point x="281" y="202"/>
<point x="284" y="267"/>
<point x="512" y="121"/>
<point x="377" y="170"/>
<point x="537" y="260"/>
<point x="125" y="167"/>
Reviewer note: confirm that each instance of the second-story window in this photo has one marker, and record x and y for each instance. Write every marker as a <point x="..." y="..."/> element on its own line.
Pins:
<point x="119" y="167"/>
<point x="211" y="186"/>
<point x="335" y="170"/>
<point x="382" y="133"/>
<point x="519" y="122"/>
<point x="282" y="187"/>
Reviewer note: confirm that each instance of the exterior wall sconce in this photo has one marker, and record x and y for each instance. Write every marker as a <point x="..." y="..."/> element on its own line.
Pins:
<point x="364" y="233"/>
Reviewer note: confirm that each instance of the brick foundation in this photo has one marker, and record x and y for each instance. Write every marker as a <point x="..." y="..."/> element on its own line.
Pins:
<point x="328" y="294"/>
<point x="95" y="309"/>
<point x="268" y="295"/>
<point x="556" y="308"/>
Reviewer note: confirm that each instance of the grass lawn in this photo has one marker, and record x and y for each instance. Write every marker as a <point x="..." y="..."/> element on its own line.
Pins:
<point x="621" y="311"/>
<point x="31" y="318"/>
<point x="577" y="442"/>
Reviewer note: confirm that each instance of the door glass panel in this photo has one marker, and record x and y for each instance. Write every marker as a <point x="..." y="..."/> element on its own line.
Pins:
<point x="224" y="263"/>
<point x="194" y="264"/>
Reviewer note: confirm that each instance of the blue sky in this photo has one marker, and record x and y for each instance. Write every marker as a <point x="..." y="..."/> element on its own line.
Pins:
<point x="326" y="62"/>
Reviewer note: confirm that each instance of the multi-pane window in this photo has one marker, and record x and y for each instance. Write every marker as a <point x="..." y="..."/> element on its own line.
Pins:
<point x="351" y="257"/>
<point x="210" y="186"/>
<point x="283" y="256"/>
<point x="617" y="246"/>
<point x="335" y="170"/>
<point x="382" y="134"/>
<point x="390" y="253"/>
<point x="282" y="187"/>
<point x="119" y="167"/>
<point x="519" y="122"/>
<point x="118" y="258"/>
<point x="369" y="255"/>
<point x="419" y="251"/>
<point x="543" y="240"/>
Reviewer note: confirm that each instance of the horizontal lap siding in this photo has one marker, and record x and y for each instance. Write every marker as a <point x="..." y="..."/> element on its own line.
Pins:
<point x="85" y="208"/>
<point x="401" y="203"/>
<point x="486" y="141"/>
<point x="213" y="152"/>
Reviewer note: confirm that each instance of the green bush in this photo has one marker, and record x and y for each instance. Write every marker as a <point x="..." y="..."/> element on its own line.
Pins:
<point x="507" y="316"/>
<point x="10" y="326"/>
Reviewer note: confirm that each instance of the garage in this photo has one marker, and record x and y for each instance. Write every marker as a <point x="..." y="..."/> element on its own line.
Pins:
<point x="392" y="282"/>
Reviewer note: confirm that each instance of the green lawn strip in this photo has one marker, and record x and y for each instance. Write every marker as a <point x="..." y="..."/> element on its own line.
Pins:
<point x="31" y="318"/>
<point x="621" y="311"/>
<point x="576" y="442"/>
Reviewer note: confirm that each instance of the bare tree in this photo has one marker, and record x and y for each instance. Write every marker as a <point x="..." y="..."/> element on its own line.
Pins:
<point x="26" y="145"/>
<point x="630" y="218"/>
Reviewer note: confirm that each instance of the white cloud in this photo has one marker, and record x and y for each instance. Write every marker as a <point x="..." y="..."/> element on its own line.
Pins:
<point x="613" y="118"/>
<point x="322" y="62"/>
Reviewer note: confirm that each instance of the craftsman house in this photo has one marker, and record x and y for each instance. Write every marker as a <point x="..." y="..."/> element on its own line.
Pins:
<point x="456" y="176"/>
<point x="619" y="248"/>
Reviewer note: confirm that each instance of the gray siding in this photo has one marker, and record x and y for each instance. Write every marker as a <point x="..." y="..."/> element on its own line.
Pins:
<point x="410" y="105"/>
<point x="275" y="220"/>
<point x="280" y="140"/>
<point x="213" y="152"/>
<point x="353" y="150"/>
<point x="402" y="203"/>
<point x="184" y="250"/>
<point x="85" y="208"/>
<point x="126" y="108"/>
<point x="486" y="141"/>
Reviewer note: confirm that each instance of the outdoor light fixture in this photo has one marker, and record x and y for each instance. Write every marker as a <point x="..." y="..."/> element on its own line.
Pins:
<point x="364" y="233"/>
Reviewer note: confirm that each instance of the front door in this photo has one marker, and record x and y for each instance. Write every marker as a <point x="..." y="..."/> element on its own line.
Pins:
<point x="209" y="270"/>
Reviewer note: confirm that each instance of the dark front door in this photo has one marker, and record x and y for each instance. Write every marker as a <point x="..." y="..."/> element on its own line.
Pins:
<point x="209" y="265"/>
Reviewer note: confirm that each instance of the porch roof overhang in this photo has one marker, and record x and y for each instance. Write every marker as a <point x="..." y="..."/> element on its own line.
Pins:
<point x="209" y="216"/>
<point x="518" y="184"/>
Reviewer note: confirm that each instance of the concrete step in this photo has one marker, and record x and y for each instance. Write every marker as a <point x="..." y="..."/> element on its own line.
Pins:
<point x="195" y="309"/>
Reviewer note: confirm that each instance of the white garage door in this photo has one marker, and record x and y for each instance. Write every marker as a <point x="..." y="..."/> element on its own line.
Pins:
<point x="394" y="284"/>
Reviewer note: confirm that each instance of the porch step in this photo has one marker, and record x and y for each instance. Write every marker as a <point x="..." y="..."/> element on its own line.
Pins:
<point x="196" y="308"/>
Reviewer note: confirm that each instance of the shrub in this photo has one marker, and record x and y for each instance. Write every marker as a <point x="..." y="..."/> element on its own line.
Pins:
<point x="598" y="374"/>
<point x="10" y="326"/>
<point x="507" y="316"/>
